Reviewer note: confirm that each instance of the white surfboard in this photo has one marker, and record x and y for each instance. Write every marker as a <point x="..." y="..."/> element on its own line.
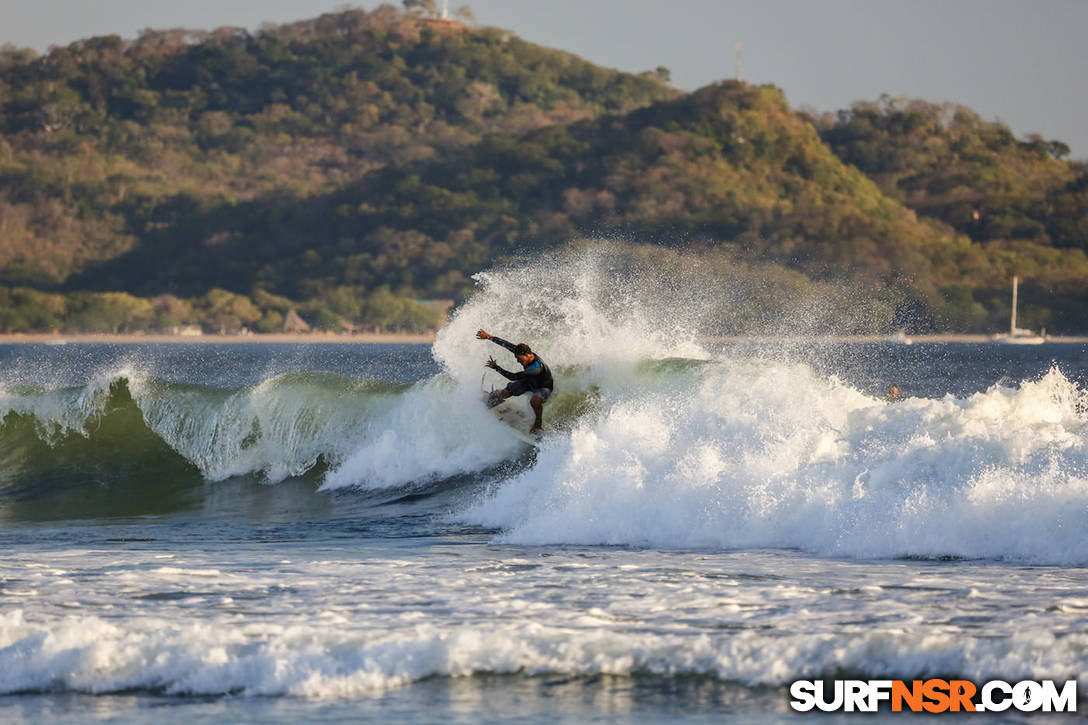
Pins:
<point x="516" y="414"/>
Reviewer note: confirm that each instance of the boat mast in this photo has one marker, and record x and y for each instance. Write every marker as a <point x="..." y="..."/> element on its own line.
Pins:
<point x="1015" y="284"/>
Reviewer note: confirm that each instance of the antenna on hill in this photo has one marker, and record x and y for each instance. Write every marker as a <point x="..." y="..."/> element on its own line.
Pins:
<point x="740" y="52"/>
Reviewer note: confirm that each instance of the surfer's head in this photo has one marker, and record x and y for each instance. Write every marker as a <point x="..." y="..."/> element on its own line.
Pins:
<point x="523" y="353"/>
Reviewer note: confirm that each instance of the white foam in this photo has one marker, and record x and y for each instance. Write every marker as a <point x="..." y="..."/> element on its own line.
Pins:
<point x="339" y="619"/>
<point x="434" y="430"/>
<point x="91" y="654"/>
<point x="677" y="450"/>
<point x="765" y="454"/>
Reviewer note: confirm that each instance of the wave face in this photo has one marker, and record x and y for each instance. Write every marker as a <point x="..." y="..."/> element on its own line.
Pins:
<point x="128" y="427"/>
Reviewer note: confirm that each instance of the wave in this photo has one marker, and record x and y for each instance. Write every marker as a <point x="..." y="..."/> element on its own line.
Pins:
<point x="653" y="438"/>
<point x="667" y="453"/>
<point x="679" y="447"/>
<point x="125" y="424"/>
<point x="96" y="655"/>
<point x="128" y="442"/>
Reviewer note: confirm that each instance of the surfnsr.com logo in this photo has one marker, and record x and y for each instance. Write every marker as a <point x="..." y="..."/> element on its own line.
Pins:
<point x="933" y="695"/>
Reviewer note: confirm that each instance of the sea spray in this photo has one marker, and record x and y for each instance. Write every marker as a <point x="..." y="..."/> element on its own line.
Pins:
<point x="589" y="313"/>
<point x="582" y="309"/>
<point x="60" y="412"/>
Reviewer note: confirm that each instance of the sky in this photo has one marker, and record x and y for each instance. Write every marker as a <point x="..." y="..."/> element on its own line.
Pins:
<point x="1018" y="61"/>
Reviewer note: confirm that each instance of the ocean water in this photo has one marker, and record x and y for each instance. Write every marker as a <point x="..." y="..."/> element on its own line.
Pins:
<point x="342" y="532"/>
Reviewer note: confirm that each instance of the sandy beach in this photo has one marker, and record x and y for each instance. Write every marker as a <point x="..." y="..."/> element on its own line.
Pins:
<point x="939" y="338"/>
<point x="427" y="338"/>
<point x="128" y="339"/>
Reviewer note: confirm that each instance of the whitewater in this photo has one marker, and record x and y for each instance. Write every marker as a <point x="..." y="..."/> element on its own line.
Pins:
<point x="270" y="532"/>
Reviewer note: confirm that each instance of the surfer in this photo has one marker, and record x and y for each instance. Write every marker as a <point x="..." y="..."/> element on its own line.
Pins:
<point x="894" y="394"/>
<point x="535" y="378"/>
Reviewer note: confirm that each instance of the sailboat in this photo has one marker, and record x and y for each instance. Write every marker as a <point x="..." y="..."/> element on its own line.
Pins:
<point x="1019" y="335"/>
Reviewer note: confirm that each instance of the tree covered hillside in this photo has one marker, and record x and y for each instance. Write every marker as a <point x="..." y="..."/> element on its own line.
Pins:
<point x="106" y="141"/>
<point x="945" y="161"/>
<point x="342" y="167"/>
<point x="729" y="168"/>
<point x="1019" y="200"/>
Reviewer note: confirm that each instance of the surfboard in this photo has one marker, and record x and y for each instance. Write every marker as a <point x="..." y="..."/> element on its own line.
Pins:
<point x="516" y="414"/>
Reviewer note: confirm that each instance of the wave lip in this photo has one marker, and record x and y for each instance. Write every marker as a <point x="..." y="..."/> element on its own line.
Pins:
<point x="279" y="427"/>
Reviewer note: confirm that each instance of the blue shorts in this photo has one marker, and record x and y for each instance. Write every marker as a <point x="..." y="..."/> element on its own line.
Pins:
<point x="517" y="387"/>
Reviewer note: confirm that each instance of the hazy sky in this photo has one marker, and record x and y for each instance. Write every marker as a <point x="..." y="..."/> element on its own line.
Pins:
<point x="1018" y="61"/>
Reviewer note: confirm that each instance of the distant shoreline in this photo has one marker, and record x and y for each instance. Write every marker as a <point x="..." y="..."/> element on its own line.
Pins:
<point x="940" y="338"/>
<point x="277" y="338"/>
<point x="427" y="338"/>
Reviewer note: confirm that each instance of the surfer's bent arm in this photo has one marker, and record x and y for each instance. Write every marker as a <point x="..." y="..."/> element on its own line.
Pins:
<point x="530" y="373"/>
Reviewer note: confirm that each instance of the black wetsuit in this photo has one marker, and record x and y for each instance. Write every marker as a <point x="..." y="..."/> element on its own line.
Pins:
<point x="536" y="375"/>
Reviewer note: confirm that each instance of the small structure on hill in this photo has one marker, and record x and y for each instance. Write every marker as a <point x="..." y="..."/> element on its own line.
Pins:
<point x="293" y="323"/>
<point x="187" y="330"/>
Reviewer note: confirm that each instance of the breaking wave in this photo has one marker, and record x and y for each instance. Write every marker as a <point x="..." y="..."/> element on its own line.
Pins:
<point x="685" y="448"/>
<point x="654" y="439"/>
<point x="125" y="423"/>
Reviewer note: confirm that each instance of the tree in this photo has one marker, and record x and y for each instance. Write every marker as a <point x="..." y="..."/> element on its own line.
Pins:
<point x="387" y="312"/>
<point x="171" y="311"/>
<point x="322" y="318"/>
<point x="223" y="312"/>
<point x="111" y="312"/>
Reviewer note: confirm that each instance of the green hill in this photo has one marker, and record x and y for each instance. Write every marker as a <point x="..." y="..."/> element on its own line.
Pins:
<point x="945" y="161"/>
<point x="729" y="169"/>
<point x="105" y="141"/>
<point x="343" y="166"/>
<point x="1024" y="205"/>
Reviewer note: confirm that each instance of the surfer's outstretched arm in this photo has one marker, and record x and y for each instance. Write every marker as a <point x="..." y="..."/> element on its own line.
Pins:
<point x="484" y="335"/>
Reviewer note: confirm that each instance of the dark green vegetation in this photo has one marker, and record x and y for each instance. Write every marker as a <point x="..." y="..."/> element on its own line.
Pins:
<point x="1021" y="204"/>
<point x="346" y="166"/>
